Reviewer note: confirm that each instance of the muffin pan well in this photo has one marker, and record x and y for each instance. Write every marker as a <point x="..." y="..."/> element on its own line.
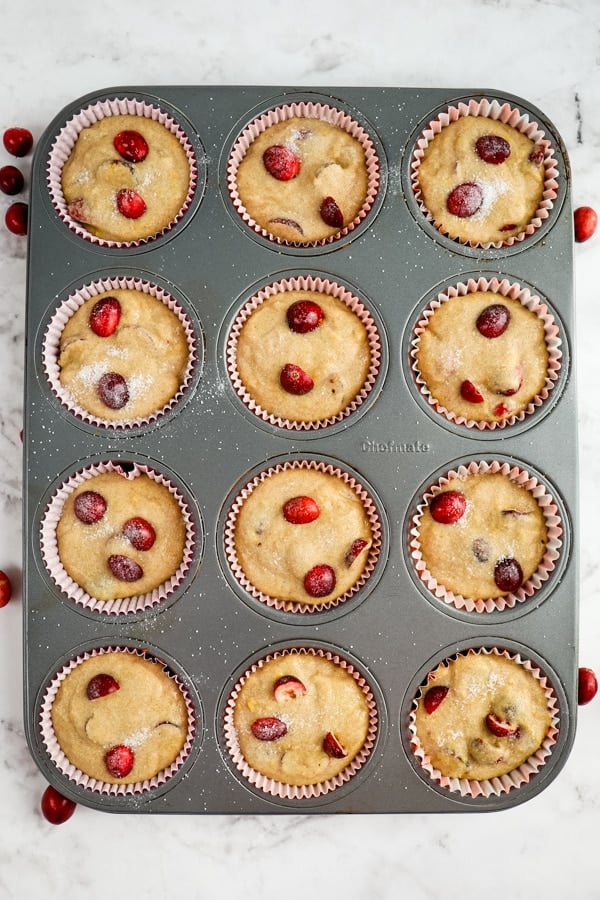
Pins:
<point x="209" y="630"/>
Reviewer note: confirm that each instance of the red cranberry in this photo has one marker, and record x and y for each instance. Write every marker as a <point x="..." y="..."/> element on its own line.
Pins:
<point x="18" y="141"/>
<point x="448" y="507"/>
<point x="434" y="696"/>
<point x="295" y="380"/>
<point x="331" y="213"/>
<point x="119" y="760"/>
<point x="101" y="685"/>
<point x="493" y="320"/>
<point x="304" y="316"/>
<point x="131" y="145"/>
<point x="269" y="728"/>
<point x="89" y="507"/>
<point x="113" y="391"/>
<point x="281" y="162"/>
<point x="130" y="204"/>
<point x="56" y="808"/>
<point x="319" y="581"/>
<point x="470" y="393"/>
<point x="508" y="575"/>
<point x="105" y="316"/>
<point x="124" y="568"/>
<point x="11" y="180"/>
<point x="492" y="148"/>
<point x="139" y="532"/>
<point x="333" y="747"/>
<point x="301" y="510"/>
<point x="5" y="589"/>
<point x="16" y="218"/>
<point x="465" y="200"/>
<point x="587" y="686"/>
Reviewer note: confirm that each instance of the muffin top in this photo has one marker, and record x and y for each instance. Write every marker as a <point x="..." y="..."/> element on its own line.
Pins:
<point x="481" y="180"/>
<point x="303" y="179"/>
<point x="481" y="716"/>
<point x="126" y="178"/>
<point x="300" y="718"/>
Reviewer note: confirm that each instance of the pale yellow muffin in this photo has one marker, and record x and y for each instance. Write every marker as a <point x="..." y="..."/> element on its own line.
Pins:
<point x="96" y="172"/>
<point x="146" y="713"/>
<point x="276" y="554"/>
<point x="148" y="348"/>
<point x="331" y="703"/>
<point x="87" y="550"/>
<point x="492" y="718"/>
<point x="509" y="192"/>
<point x="336" y="355"/>
<point x="507" y="371"/>
<point x="494" y="546"/>
<point x="331" y="164"/>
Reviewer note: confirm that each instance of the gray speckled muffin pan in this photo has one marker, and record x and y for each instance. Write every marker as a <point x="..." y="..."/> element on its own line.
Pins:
<point x="394" y="631"/>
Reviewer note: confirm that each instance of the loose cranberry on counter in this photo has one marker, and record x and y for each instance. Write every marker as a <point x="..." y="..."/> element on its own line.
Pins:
<point x="5" y="588"/>
<point x="16" y="216"/>
<point x="56" y="808"/>
<point x="585" y="220"/>
<point x="587" y="686"/>
<point x="18" y="141"/>
<point x="11" y="180"/>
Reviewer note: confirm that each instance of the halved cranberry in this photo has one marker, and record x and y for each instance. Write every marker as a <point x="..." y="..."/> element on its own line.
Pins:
<point x="502" y="728"/>
<point x="112" y="390"/>
<point x="11" y="180"/>
<point x="465" y="200"/>
<point x="508" y="574"/>
<point x="320" y="580"/>
<point x="492" y="148"/>
<point x="105" y="316"/>
<point x="124" y="568"/>
<point x="333" y="746"/>
<point x="119" y="760"/>
<point x="269" y="728"/>
<point x="16" y="217"/>
<point x="131" y="145"/>
<point x="537" y="155"/>
<point x="354" y="550"/>
<point x="139" y="532"/>
<point x="295" y="380"/>
<point x="288" y="688"/>
<point x="101" y="685"/>
<point x="281" y="162"/>
<point x="331" y="213"/>
<point x="304" y="316"/>
<point x="493" y="320"/>
<point x="18" y="141"/>
<point x="130" y="204"/>
<point x="434" y="696"/>
<point x="470" y="393"/>
<point x="448" y="507"/>
<point x="89" y="507"/>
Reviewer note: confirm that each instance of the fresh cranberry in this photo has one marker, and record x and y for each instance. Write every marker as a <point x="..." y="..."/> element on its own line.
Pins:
<point x="105" y="316"/>
<point x="304" y="316"/>
<point x="319" y="581"/>
<point x="448" y="507"/>
<point x="508" y="574"/>
<point x="124" y="568"/>
<point x="130" y="204"/>
<point x="112" y="390"/>
<point x="11" y="180"/>
<point x="587" y="686"/>
<point x="269" y="728"/>
<point x="101" y="685"/>
<point x="139" y="532"/>
<point x="119" y="760"/>
<point x="493" y="320"/>
<point x="281" y="162"/>
<point x="56" y="808"/>
<point x="465" y="200"/>
<point x="16" y="218"/>
<point x="470" y="393"/>
<point x="18" y="141"/>
<point x="331" y="213"/>
<point x="300" y="510"/>
<point x="89" y="507"/>
<point x="434" y="696"/>
<point x="5" y="589"/>
<point x="295" y="380"/>
<point x="585" y="220"/>
<point x="131" y="145"/>
<point x="492" y="148"/>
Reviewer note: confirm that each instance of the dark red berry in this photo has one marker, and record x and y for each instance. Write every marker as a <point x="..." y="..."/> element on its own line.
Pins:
<point x="16" y="218"/>
<point x="124" y="568"/>
<point x="508" y="574"/>
<point x="288" y="687"/>
<point x="295" y="380"/>
<point x="333" y="746"/>
<point x="331" y="213"/>
<point x="448" y="507"/>
<point x="5" y="589"/>
<point x="301" y="510"/>
<point x="281" y="162"/>
<point x="319" y="581"/>
<point x="269" y="728"/>
<point x="100" y="686"/>
<point x="105" y="316"/>
<point x="11" y="180"/>
<point x="470" y="393"/>
<point x="304" y="316"/>
<point x="587" y="686"/>
<point x="56" y="808"/>
<point x="89" y="507"/>
<point x="537" y="155"/>
<point x="493" y="320"/>
<point x="18" y="141"/>
<point x="585" y="220"/>
<point x="139" y="532"/>
<point x="112" y="390"/>
<point x="354" y="550"/>
<point x="131" y="145"/>
<point x="119" y="760"/>
<point x="492" y="148"/>
<point x="130" y="204"/>
<point x="434" y="696"/>
<point x="465" y="200"/>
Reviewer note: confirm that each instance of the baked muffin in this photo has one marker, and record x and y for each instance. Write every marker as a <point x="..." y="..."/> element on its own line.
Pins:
<point x="301" y="718"/>
<point x="122" y="356"/>
<point x="302" y="535"/>
<point x="482" y="535"/>
<point x="481" y="179"/>
<point x="480" y="716"/>
<point x="303" y="179"/>
<point x="121" y="537"/>
<point x="120" y="717"/>
<point x="482" y="356"/>
<point x="126" y="178"/>
<point x="302" y="356"/>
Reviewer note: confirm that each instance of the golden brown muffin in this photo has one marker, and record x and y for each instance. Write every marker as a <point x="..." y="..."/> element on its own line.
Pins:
<point x="120" y="537"/>
<point x="483" y="356"/>
<point x="126" y="178"/>
<point x="300" y="719"/>
<point x="312" y="185"/>
<point x="120" y="718"/>
<point x="481" y="180"/>
<point x="480" y="716"/>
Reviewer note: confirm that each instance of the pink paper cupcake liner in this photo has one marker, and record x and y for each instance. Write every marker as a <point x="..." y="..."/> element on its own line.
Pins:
<point x="309" y="791"/>
<point x="509" y="115"/>
<point x="528" y="588"/>
<point x="514" y="291"/>
<point x="289" y="606"/>
<point x="520" y="776"/>
<point x="72" y="772"/>
<point x="308" y="110"/>
<point x="67" y="137"/>
<point x="320" y="285"/>
<point x="51" y="348"/>
<point x="120" y="605"/>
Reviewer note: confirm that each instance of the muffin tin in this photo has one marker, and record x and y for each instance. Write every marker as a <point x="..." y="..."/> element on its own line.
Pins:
<point x="210" y="631"/>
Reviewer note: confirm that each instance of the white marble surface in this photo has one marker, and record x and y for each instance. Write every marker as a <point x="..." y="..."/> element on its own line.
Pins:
<point x="547" y="51"/>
